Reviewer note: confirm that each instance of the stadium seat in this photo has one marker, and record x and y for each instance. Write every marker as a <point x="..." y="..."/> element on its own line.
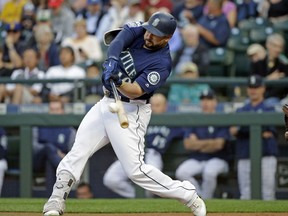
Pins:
<point x="253" y="23"/>
<point x="221" y="62"/>
<point x="238" y="42"/>
<point x="259" y="35"/>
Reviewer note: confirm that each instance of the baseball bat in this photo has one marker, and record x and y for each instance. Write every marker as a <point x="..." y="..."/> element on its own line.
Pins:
<point x="123" y="120"/>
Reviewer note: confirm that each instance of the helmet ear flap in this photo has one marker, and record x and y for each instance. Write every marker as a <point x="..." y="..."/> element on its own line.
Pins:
<point x="110" y="35"/>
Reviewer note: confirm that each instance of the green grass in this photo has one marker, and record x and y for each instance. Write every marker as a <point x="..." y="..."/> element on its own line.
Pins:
<point x="142" y="205"/>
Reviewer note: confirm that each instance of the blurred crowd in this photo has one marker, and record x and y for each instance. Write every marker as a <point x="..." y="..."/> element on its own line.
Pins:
<point x="63" y="39"/>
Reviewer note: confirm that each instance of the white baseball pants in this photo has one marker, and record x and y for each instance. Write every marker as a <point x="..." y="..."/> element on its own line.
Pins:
<point x="100" y="127"/>
<point x="268" y="169"/>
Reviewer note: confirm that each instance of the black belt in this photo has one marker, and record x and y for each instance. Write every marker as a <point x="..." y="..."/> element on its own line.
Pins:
<point x="127" y="100"/>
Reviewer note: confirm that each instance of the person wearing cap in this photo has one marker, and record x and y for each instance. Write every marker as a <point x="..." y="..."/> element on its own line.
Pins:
<point x="12" y="11"/>
<point x="62" y="20"/>
<point x="82" y="42"/>
<point x="13" y="47"/>
<point x="186" y="94"/>
<point x="208" y="151"/>
<point x="256" y="104"/>
<point x="138" y="63"/>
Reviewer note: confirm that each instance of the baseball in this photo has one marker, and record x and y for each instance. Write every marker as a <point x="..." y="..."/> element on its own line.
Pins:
<point x="113" y="107"/>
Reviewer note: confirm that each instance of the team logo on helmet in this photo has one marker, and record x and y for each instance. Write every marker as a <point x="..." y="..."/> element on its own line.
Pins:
<point x="156" y="22"/>
<point x="153" y="77"/>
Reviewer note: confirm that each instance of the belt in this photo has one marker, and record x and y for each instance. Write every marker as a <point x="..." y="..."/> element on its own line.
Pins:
<point x="127" y="100"/>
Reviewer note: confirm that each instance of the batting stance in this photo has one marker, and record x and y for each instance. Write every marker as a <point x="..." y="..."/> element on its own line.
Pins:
<point x="138" y="62"/>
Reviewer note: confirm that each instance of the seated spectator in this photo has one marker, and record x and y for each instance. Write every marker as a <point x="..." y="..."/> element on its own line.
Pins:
<point x="62" y="20"/>
<point x="82" y="42"/>
<point x="256" y="90"/>
<point x="12" y="10"/>
<point x="214" y="28"/>
<point x="209" y="154"/>
<point x="50" y="145"/>
<point x="84" y="191"/>
<point x="158" y="139"/>
<point x="229" y="10"/>
<point x="28" y="21"/>
<point x="270" y="63"/>
<point x="96" y="18"/>
<point x="3" y="161"/>
<point x="135" y="14"/>
<point x="152" y="6"/>
<point x="12" y="49"/>
<point x="66" y="70"/>
<point x="26" y="93"/>
<point x="186" y="94"/>
<point x="188" y="12"/>
<point x="274" y="10"/>
<point x="47" y="48"/>
<point x="94" y="92"/>
<point x="191" y="51"/>
<point x="246" y="9"/>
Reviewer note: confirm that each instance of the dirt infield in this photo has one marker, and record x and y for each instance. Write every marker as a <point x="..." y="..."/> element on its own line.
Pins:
<point x="147" y="214"/>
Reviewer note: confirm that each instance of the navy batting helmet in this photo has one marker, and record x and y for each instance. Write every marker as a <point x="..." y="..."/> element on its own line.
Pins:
<point x="161" y="24"/>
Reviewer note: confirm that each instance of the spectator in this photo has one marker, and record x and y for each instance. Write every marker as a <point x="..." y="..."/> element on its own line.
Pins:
<point x="246" y="9"/>
<point x="3" y="162"/>
<point x="84" y="191"/>
<point x="26" y="93"/>
<point x="158" y="139"/>
<point x="28" y="21"/>
<point x="66" y="70"/>
<point x="274" y="10"/>
<point x="214" y="28"/>
<point x="94" y="92"/>
<point x="229" y="10"/>
<point x="207" y="145"/>
<point x="271" y="64"/>
<point x="135" y="13"/>
<point x="191" y="51"/>
<point x="50" y="145"/>
<point x="188" y="12"/>
<point x="255" y="91"/>
<point x="12" y="11"/>
<point x="62" y="20"/>
<point x="152" y="6"/>
<point x="47" y="48"/>
<point x="12" y="49"/>
<point x="186" y="94"/>
<point x="81" y="43"/>
<point x="123" y="11"/>
<point x="96" y="17"/>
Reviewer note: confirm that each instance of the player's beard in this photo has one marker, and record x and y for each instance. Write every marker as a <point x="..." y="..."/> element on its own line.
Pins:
<point x="149" y="45"/>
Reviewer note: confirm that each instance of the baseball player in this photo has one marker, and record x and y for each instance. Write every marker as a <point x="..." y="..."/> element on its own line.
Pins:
<point x="138" y="62"/>
<point x="3" y="161"/>
<point x="256" y="104"/>
<point x="158" y="139"/>
<point x="208" y="150"/>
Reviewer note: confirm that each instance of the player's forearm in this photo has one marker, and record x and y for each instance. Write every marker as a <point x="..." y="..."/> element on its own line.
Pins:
<point x="213" y="145"/>
<point x="131" y="90"/>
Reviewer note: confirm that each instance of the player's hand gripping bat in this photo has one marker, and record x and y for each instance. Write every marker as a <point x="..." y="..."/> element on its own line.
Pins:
<point x="285" y="110"/>
<point x="118" y="108"/>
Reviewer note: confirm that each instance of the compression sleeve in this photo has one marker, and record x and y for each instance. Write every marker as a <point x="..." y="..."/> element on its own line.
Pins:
<point x="121" y="42"/>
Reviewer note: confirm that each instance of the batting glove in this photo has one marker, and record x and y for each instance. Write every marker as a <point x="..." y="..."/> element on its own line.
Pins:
<point x="117" y="80"/>
<point x="106" y="84"/>
<point x="109" y="67"/>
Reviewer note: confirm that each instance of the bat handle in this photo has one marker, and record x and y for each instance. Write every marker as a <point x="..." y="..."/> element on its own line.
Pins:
<point x="121" y="112"/>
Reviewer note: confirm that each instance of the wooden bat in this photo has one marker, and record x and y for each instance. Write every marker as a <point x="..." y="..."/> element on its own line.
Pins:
<point x="123" y="120"/>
